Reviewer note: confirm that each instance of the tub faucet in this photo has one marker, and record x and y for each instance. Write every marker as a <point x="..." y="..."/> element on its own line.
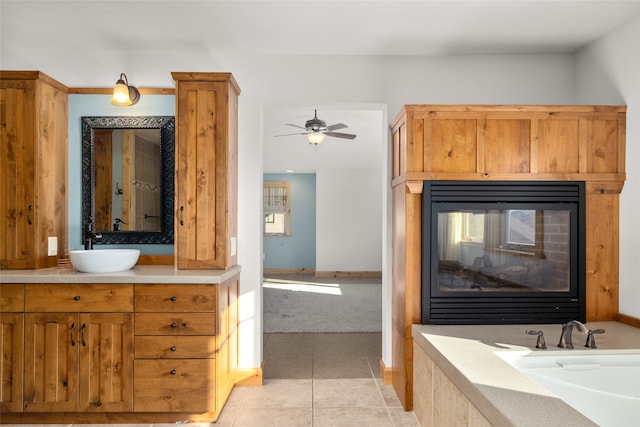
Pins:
<point x="567" y="329"/>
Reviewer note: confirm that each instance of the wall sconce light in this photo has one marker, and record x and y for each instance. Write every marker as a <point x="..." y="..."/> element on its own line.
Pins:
<point x="123" y="94"/>
<point x="315" y="138"/>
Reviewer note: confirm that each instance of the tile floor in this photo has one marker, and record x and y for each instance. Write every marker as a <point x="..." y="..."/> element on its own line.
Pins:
<point x="318" y="380"/>
<point x="312" y="380"/>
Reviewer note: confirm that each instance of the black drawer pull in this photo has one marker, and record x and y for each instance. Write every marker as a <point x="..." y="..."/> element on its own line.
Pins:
<point x="174" y="299"/>
<point x="96" y="403"/>
<point x="174" y="325"/>
<point x="76" y="298"/>
<point x="172" y="372"/>
<point x="173" y="348"/>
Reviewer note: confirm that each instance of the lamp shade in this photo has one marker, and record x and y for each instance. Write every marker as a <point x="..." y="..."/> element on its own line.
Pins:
<point x="315" y="138"/>
<point x="123" y="94"/>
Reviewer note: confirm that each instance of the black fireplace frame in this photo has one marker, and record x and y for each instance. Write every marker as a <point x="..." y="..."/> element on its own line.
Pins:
<point x="504" y="307"/>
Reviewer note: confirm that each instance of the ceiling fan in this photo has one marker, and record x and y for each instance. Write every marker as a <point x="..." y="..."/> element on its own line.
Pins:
<point x="316" y="129"/>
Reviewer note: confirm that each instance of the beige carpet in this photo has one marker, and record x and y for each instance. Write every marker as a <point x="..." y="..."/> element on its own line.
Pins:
<point x="304" y="304"/>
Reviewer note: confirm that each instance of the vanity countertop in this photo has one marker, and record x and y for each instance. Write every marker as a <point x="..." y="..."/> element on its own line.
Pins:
<point x="138" y="274"/>
<point x="506" y="397"/>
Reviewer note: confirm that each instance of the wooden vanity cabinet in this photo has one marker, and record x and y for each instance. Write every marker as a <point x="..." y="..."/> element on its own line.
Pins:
<point x="164" y="315"/>
<point x="185" y="340"/>
<point x="102" y="353"/>
<point x="12" y="345"/>
<point x="33" y="168"/>
<point x="78" y="347"/>
<point x="206" y="150"/>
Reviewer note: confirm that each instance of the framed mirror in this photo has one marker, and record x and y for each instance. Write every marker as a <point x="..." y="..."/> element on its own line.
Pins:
<point x="128" y="178"/>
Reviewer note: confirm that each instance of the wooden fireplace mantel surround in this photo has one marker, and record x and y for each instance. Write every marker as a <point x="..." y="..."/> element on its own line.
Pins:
<point x="503" y="142"/>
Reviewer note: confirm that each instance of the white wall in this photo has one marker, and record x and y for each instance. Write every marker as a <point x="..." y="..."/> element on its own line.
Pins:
<point x="303" y="80"/>
<point x="608" y="72"/>
<point x="391" y="81"/>
<point x="348" y="220"/>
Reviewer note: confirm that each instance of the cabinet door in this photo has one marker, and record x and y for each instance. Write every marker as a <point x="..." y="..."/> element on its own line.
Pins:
<point x="201" y="175"/>
<point x="11" y="346"/>
<point x="175" y="347"/>
<point x="105" y="342"/>
<point x="174" y="385"/>
<point x="227" y="354"/>
<point x="33" y="168"/>
<point x="175" y="324"/>
<point x="183" y="298"/>
<point x="51" y="355"/>
<point x="17" y="161"/>
<point x="78" y="298"/>
<point x="223" y="366"/>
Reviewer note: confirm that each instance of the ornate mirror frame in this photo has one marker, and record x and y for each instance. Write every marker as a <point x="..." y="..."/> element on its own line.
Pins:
<point x="166" y="124"/>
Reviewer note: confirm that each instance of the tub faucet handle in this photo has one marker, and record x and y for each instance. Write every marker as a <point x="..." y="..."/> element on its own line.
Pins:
<point x="540" y="343"/>
<point x="591" y="341"/>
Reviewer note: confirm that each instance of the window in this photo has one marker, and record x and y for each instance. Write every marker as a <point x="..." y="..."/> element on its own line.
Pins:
<point x="521" y="227"/>
<point x="517" y="230"/>
<point x="276" y="200"/>
<point x="473" y="227"/>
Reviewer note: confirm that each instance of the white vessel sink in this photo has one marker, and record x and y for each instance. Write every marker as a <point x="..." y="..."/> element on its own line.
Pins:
<point x="104" y="260"/>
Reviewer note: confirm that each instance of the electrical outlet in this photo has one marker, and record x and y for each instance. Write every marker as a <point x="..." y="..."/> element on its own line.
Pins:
<point x="233" y="247"/>
<point x="53" y="246"/>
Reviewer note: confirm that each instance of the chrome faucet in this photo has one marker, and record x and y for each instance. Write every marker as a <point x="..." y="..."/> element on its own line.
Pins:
<point x="567" y="329"/>
<point x="90" y="236"/>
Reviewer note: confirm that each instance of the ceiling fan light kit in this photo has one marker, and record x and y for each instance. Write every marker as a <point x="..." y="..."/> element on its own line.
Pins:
<point x="315" y="138"/>
<point x="316" y="130"/>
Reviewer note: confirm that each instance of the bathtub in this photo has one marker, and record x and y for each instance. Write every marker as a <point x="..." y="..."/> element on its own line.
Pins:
<point x="604" y="386"/>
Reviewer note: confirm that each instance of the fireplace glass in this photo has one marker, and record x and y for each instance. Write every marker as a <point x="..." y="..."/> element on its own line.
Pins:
<point x="515" y="249"/>
<point x="503" y="252"/>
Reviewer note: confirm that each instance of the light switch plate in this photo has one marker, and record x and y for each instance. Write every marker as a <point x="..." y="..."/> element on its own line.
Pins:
<point x="53" y="246"/>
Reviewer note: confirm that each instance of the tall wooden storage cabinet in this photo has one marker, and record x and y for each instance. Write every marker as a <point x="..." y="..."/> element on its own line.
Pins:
<point x="33" y="168"/>
<point x="206" y="170"/>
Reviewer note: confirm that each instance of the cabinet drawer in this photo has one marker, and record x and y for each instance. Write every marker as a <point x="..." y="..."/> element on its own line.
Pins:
<point x="175" y="324"/>
<point x="175" y="298"/>
<point x="94" y="298"/>
<point x="174" y="385"/>
<point x="175" y="347"/>
<point x="11" y="298"/>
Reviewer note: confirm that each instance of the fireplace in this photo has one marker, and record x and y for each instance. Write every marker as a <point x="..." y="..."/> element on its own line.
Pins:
<point x="503" y="252"/>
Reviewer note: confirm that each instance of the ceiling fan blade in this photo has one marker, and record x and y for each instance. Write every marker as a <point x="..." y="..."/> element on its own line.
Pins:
<point x="337" y="126"/>
<point x="341" y="135"/>
<point x="296" y="126"/>
<point x="289" y="134"/>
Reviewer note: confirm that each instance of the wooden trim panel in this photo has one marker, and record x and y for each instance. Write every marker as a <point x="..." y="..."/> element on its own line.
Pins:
<point x="628" y="320"/>
<point x="506" y="143"/>
<point x="250" y="377"/>
<point x="109" y="90"/>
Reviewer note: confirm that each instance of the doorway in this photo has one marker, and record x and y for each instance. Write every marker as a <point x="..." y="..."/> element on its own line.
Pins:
<point x="351" y="205"/>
